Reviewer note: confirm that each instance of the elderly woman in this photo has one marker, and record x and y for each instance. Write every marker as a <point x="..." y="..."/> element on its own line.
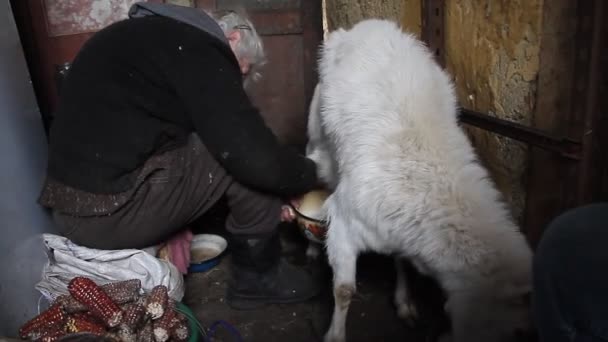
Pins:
<point x="154" y="127"/>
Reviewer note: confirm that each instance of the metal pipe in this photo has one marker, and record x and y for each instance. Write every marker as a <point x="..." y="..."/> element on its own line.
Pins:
<point x="564" y="146"/>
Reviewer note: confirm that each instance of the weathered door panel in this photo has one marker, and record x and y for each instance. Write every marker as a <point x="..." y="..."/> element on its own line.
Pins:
<point x="292" y="31"/>
<point x="280" y="94"/>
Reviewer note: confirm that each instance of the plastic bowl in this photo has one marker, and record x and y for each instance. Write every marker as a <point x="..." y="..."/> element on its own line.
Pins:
<point x="192" y="322"/>
<point x="205" y="252"/>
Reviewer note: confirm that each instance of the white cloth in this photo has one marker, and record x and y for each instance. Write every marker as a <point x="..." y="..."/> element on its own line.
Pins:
<point x="68" y="260"/>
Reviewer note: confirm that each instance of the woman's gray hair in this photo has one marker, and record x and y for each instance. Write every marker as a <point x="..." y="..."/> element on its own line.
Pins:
<point x="250" y="46"/>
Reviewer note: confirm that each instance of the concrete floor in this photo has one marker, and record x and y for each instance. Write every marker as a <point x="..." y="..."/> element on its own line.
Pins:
<point x="372" y="316"/>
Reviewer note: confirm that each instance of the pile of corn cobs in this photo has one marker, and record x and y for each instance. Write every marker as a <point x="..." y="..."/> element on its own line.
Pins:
<point x="116" y="310"/>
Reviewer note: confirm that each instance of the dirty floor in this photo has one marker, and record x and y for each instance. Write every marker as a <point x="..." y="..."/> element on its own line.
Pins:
<point x="372" y="316"/>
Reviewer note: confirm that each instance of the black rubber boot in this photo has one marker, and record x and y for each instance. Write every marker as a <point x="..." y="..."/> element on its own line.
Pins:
<point x="260" y="276"/>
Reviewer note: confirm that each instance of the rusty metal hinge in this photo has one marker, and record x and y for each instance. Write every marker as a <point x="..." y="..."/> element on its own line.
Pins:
<point x="433" y="28"/>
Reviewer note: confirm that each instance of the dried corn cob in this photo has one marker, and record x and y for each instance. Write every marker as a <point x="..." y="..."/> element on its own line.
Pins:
<point x="179" y="331"/>
<point x="112" y="336"/>
<point x="52" y="335"/>
<point x="120" y="292"/>
<point x="146" y="334"/>
<point x="163" y="325"/>
<point x="127" y="335"/>
<point x="180" y="316"/>
<point x="134" y="314"/>
<point x="157" y="301"/>
<point x="88" y="293"/>
<point x="84" y="323"/>
<point x="123" y="291"/>
<point x="48" y="320"/>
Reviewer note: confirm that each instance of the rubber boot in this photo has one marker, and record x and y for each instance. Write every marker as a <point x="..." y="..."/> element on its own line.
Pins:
<point x="259" y="275"/>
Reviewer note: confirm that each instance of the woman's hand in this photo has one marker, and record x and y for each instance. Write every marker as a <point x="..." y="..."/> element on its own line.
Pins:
<point x="287" y="212"/>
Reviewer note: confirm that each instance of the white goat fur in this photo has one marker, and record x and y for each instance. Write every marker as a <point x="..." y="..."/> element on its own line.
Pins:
<point x="405" y="180"/>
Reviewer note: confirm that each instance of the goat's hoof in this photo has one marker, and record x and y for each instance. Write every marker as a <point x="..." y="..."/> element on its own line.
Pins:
<point x="408" y="313"/>
<point x="313" y="252"/>
<point x="446" y="337"/>
<point x="332" y="338"/>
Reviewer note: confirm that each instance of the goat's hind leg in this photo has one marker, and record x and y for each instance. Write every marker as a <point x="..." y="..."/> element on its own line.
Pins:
<point x="343" y="260"/>
<point x="406" y="308"/>
<point x="314" y="251"/>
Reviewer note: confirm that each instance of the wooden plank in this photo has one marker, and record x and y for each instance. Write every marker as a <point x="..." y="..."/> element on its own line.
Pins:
<point x="600" y="188"/>
<point x="279" y="22"/>
<point x="205" y="4"/>
<point x="312" y="18"/>
<point x="551" y="179"/>
<point x="589" y="66"/>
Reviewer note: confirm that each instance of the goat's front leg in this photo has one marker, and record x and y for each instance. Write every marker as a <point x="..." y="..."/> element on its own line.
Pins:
<point x="343" y="260"/>
<point x="313" y="252"/>
<point x="403" y="301"/>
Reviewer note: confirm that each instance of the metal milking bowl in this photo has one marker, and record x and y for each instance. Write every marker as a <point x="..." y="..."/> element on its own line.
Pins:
<point x="309" y="215"/>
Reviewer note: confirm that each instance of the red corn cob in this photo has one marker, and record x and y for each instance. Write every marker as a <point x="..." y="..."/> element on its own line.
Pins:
<point x="88" y="316"/>
<point x="85" y="323"/>
<point x="146" y="334"/>
<point x="99" y="303"/>
<point x="157" y="301"/>
<point x="120" y="292"/>
<point x="52" y="335"/>
<point x="48" y="320"/>
<point x="163" y="325"/>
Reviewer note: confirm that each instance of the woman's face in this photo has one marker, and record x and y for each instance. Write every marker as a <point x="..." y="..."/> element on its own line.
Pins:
<point x="234" y="38"/>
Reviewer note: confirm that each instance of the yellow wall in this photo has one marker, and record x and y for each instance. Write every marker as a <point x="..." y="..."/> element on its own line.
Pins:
<point x="492" y="52"/>
<point x="189" y="3"/>
<point x="411" y="20"/>
<point x="345" y="13"/>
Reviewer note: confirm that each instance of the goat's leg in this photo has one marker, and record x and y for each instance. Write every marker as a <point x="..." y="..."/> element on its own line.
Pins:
<point x="446" y="337"/>
<point x="466" y="325"/>
<point x="343" y="260"/>
<point x="403" y="301"/>
<point x="313" y="252"/>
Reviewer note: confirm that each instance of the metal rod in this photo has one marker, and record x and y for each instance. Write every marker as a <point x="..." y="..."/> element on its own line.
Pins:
<point x="433" y="33"/>
<point x="561" y="145"/>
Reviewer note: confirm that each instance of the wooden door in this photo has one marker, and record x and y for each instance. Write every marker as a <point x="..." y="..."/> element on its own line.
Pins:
<point x="291" y="31"/>
<point x="53" y="31"/>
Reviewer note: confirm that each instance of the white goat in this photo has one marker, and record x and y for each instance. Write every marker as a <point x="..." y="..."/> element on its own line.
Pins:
<point x="405" y="179"/>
